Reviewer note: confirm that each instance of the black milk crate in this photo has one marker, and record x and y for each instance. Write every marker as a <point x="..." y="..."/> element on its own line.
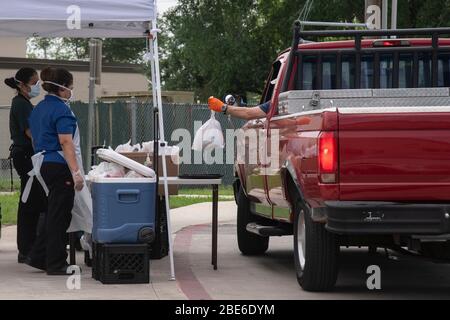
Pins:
<point x="121" y="263"/>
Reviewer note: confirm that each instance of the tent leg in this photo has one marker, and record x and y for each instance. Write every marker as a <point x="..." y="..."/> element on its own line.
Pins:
<point x="157" y="100"/>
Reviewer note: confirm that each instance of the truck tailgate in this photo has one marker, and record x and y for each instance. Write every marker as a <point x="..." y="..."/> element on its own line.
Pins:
<point x="395" y="155"/>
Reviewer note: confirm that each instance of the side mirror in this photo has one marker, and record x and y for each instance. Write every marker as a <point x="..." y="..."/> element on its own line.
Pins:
<point x="234" y="100"/>
<point x="230" y="100"/>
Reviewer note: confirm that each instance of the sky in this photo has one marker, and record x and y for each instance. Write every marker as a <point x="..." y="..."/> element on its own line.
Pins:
<point x="163" y="5"/>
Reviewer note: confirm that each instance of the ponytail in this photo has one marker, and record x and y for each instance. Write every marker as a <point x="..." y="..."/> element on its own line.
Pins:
<point x="24" y="75"/>
<point x="12" y="83"/>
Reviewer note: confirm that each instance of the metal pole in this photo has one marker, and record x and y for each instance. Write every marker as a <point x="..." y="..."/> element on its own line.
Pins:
<point x="394" y="14"/>
<point x="157" y="88"/>
<point x="384" y="17"/>
<point x="133" y="106"/>
<point x="373" y="14"/>
<point x="333" y="24"/>
<point x="93" y="61"/>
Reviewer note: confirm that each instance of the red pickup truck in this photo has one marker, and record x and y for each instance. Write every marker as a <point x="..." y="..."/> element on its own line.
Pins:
<point x="364" y="150"/>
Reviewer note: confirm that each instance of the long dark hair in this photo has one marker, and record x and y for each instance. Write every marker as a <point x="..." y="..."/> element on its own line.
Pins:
<point x="60" y="76"/>
<point x="24" y="75"/>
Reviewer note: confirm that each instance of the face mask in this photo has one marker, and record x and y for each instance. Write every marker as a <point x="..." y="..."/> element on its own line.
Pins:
<point x="61" y="86"/>
<point x="35" y="90"/>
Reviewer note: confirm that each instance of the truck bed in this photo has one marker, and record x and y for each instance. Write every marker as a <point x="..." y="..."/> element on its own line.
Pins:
<point x="394" y="144"/>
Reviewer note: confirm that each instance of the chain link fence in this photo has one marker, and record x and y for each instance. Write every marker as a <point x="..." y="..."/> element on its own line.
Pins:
<point x="118" y="122"/>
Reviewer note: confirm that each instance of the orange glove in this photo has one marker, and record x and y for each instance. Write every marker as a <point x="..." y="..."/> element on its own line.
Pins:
<point x="215" y="104"/>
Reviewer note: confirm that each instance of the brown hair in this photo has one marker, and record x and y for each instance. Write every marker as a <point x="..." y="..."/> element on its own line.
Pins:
<point x="60" y="76"/>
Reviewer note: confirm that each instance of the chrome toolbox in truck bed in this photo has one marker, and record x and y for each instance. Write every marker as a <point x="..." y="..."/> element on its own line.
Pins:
<point x="298" y="101"/>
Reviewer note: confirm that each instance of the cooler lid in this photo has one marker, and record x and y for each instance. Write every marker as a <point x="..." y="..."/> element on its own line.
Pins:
<point x="112" y="156"/>
<point x="123" y="180"/>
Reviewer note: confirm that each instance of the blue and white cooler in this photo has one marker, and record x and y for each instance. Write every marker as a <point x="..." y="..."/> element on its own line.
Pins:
<point x="124" y="210"/>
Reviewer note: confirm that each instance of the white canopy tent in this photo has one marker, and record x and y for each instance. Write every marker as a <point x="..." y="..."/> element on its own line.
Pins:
<point x="88" y="19"/>
<point x="58" y="18"/>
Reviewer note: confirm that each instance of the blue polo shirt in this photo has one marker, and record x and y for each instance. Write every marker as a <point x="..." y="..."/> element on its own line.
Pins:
<point x="265" y="107"/>
<point x="48" y="119"/>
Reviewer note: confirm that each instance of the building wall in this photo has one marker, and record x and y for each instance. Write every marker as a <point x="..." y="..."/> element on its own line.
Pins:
<point x="115" y="79"/>
<point x="112" y="84"/>
<point x="5" y="141"/>
<point x="13" y="47"/>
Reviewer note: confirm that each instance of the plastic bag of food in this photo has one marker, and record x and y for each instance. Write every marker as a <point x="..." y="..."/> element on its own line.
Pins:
<point x="147" y="147"/>
<point x="127" y="147"/>
<point x="136" y="148"/>
<point x="209" y="135"/>
<point x="107" y="170"/>
<point x="172" y="151"/>
<point x="133" y="175"/>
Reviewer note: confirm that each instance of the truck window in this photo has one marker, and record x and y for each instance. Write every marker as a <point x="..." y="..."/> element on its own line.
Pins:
<point x="386" y="71"/>
<point x="444" y="70"/>
<point x="393" y="70"/>
<point x="405" y="71"/>
<point x="366" y="72"/>
<point x="348" y="72"/>
<point x="329" y="72"/>
<point x="309" y="71"/>
<point x="424" y="70"/>
<point x="271" y="84"/>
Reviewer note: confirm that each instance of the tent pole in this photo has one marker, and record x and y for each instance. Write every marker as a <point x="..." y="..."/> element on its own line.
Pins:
<point x="157" y="87"/>
<point x="90" y="133"/>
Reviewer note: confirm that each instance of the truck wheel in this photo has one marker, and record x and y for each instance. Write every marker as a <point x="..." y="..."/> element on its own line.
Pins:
<point x="249" y="243"/>
<point x="316" y="252"/>
<point x="436" y="250"/>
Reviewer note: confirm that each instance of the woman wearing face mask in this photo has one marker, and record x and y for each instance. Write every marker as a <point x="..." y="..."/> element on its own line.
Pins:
<point x="58" y="166"/>
<point x="26" y="83"/>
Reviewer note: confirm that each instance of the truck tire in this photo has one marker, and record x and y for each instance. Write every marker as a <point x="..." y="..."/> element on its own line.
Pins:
<point x="249" y="244"/>
<point x="436" y="250"/>
<point x="316" y="252"/>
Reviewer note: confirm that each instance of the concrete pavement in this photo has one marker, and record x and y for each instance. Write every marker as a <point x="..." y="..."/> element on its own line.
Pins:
<point x="268" y="277"/>
<point x="22" y="282"/>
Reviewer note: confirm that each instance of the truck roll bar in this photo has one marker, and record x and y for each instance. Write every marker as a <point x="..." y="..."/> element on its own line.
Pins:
<point x="290" y="66"/>
<point x="357" y="36"/>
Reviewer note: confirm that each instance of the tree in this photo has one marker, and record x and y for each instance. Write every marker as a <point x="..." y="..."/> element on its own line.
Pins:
<point x="219" y="46"/>
<point x="210" y="47"/>
<point x="114" y="50"/>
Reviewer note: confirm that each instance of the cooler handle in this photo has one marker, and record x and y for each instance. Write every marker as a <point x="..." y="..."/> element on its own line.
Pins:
<point x="128" y="196"/>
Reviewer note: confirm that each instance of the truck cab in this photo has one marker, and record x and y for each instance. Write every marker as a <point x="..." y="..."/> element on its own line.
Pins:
<point x="353" y="152"/>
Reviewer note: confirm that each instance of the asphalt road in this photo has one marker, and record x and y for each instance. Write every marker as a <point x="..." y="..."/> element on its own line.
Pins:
<point x="267" y="277"/>
<point x="272" y="276"/>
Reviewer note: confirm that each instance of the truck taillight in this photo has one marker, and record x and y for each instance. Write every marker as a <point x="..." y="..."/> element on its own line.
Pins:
<point x="391" y="43"/>
<point x="328" y="157"/>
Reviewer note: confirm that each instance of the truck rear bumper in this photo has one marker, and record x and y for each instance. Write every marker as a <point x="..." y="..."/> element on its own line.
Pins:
<point x="354" y="217"/>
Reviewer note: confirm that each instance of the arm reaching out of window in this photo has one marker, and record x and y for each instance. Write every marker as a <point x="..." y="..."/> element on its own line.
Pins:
<point x="217" y="105"/>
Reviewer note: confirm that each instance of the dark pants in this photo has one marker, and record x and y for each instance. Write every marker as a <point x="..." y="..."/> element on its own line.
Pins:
<point x="49" y="250"/>
<point x="29" y="212"/>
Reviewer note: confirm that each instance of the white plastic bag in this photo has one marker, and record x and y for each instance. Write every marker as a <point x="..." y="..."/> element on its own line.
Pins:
<point x="209" y="135"/>
<point x="133" y="175"/>
<point x="107" y="170"/>
<point x="136" y="148"/>
<point x="127" y="147"/>
<point x="117" y="158"/>
<point x="172" y="151"/>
